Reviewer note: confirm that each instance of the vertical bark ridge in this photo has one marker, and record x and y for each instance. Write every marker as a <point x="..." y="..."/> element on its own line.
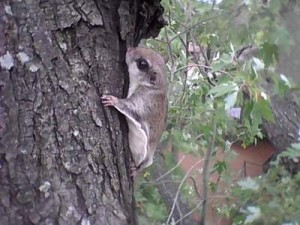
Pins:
<point x="62" y="153"/>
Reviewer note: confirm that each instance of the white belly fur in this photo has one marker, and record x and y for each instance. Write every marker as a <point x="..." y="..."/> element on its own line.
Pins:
<point x="137" y="141"/>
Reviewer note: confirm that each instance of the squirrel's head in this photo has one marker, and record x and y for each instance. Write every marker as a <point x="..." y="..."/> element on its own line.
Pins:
<point x="145" y="66"/>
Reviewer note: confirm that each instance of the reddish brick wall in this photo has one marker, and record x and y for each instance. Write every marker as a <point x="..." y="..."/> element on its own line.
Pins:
<point x="248" y="162"/>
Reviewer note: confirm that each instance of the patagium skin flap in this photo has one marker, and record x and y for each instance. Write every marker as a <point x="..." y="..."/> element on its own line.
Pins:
<point x="145" y="107"/>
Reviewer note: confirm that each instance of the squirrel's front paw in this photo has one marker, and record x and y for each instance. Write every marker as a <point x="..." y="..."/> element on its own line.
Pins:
<point x="109" y="100"/>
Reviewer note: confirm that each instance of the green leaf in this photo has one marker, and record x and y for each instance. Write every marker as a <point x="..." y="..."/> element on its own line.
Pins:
<point x="270" y="53"/>
<point x="248" y="107"/>
<point x="265" y="110"/>
<point x="222" y="89"/>
<point x="230" y="100"/>
<point x="296" y="146"/>
<point x="254" y="74"/>
<point x="213" y="186"/>
<point x="218" y="66"/>
<point x="219" y="167"/>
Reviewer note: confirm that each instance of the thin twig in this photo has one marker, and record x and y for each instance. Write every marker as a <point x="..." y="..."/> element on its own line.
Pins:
<point x="169" y="171"/>
<point x="195" y="186"/>
<point x="159" y="182"/>
<point x="169" y="47"/>
<point x="191" y="27"/>
<point x="200" y="65"/>
<point x="180" y="38"/>
<point x="206" y="170"/>
<point x="190" y="212"/>
<point x="179" y="187"/>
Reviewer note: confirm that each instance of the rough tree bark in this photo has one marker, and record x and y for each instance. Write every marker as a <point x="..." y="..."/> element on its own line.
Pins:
<point x="64" y="158"/>
<point x="285" y="130"/>
<point x="286" y="109"/>
<point x="289" y="62"/>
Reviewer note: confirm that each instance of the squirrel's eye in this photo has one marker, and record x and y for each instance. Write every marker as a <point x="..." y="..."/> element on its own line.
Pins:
<point x="142" y="64"/>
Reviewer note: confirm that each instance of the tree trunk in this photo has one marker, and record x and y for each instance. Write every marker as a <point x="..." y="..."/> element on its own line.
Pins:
<point x="64" y="158"/>
<point x="286" y="110"/>
<point x="285" y="130"/>
<point x="289" y="62"/>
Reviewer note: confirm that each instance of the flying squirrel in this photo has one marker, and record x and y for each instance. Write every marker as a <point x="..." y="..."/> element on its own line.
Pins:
<point x="145" y="106"/>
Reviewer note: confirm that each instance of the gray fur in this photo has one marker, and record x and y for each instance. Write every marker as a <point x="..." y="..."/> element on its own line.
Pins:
<point x="145" y="107"/>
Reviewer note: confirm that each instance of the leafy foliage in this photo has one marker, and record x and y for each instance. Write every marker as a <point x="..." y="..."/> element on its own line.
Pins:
<point x="150" y="205"/>
<point x="272" y="198"/>
<point x="222" y="29"/>
<point x="203" y="40"/>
